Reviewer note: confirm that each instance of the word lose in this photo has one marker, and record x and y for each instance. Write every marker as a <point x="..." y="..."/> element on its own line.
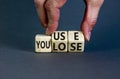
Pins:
<point x="60" y="41"/>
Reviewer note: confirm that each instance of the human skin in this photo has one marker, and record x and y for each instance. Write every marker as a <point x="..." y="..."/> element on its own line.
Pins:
<point x="49" y="14"/>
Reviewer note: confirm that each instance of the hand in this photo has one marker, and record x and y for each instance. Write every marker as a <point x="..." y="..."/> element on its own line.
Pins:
<point x="90" y="16"/>
<point x="49" y="13"/>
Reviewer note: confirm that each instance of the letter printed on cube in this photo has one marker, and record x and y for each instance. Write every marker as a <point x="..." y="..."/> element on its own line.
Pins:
<point x="75" y="41"/>
<point x="59" y="41"/>
<point x="42" y="43"/>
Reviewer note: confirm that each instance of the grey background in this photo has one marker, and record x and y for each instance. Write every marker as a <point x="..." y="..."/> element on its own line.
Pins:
<point x="19" y="24"/>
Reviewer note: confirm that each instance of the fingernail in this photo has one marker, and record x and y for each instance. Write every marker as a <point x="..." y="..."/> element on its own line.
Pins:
<point x="47" y="31"/>
<point x="88" y="36"/>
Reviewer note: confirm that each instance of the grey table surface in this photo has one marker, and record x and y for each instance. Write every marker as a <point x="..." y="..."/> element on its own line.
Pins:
<point x="19" y="24"/>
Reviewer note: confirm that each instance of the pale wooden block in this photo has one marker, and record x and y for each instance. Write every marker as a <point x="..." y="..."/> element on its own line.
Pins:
<point x="59" y="41"/>
<point x="42" y="43"/>
<point x="75" y="41"/>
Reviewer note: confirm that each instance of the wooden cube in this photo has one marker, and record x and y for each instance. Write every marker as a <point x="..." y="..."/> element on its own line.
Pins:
<point x="75" y="41"/>
<point x="42" y="43"/>
<point x="59" y="41"/>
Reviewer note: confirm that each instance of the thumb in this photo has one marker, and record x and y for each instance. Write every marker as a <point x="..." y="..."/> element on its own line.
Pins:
<point x="90" y="17"/>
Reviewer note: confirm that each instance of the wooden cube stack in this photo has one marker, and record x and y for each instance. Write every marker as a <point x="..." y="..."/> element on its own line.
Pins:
<point x="60" y="41"/>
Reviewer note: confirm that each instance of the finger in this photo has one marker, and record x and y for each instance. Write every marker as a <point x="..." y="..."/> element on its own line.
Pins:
<point x="90" y="18"/>
<point x="53" y="13"/>
<point x="41" y="11"/>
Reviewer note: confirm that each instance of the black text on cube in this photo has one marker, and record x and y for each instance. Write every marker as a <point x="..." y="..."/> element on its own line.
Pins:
<point x="75" y="41"/>
<point x="42" y="43"/>
<point x="59" y="41"/>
